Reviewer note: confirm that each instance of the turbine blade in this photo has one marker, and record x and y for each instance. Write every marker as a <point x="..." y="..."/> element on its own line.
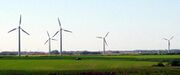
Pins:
<point x="67" y="31"/>
<point x="54" y="39"/>
<point x="59" y="22"/>
<point x="55" y="33"/>
<point x="25" y="31"/>
<point x="20" y="20"/>
<point x="48" y="34"/>
<point x="12" y="30"/>
<point x="46" y="41"/>
<point x="105" y="42"/>
<point x="99" y="37"/>
<point x="171" y="38"/>
<point x="106" y="34"/>
<point x="165" y="39"/>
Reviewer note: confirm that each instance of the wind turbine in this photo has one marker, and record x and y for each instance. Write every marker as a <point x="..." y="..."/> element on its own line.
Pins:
<point x="19" y="35"/>
<point x="169" y="43"/>
<point x="61" y="30"/>
<point x="49" y="40"/>
<point x="104" y="42"/>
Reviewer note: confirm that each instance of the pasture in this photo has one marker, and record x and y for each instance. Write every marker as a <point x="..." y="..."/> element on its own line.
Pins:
<point x="89" y="64"/>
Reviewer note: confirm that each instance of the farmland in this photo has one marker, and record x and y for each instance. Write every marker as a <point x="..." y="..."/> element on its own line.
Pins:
<point x="120" y="64"/>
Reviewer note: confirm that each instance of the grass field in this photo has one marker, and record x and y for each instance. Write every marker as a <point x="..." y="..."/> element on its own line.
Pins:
<point x="54" y="65"/>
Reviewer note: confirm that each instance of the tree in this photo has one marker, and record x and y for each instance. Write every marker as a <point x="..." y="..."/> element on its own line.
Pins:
<point x="54" y="52"/>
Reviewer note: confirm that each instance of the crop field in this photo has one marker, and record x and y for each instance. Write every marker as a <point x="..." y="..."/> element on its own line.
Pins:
<point x="88" y="65"/>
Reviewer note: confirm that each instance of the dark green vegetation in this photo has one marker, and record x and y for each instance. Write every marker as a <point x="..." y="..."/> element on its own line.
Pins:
<point x="109" y="65"/>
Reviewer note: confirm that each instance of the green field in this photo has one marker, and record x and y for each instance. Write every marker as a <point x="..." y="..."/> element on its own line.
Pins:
<point x="122" y="64"/>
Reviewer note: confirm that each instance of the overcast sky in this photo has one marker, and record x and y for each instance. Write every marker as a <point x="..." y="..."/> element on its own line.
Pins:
<point x="133" y="24"/>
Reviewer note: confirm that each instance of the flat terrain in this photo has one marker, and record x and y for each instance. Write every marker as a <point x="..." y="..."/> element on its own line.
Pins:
<point x="121" y="64"/>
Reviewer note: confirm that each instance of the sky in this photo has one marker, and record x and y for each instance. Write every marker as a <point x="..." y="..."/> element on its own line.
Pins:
<point x="132" y="24"/>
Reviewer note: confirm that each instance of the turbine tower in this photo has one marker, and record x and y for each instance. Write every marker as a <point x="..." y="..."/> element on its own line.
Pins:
<point x="169" y="43"/>
<point x="49" y="40"/>
<point x="61" y="30"/>
<point x="19" y="35"/>
<point x="104" y="42"/>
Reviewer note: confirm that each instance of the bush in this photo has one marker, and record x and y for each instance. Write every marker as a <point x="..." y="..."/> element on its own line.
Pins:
<point x="26" y="56"/>
<point x="55" y="52"/>
<point x="77" y="58"/>
<point x="175" y="63"/>
<point x="160" y="64"/>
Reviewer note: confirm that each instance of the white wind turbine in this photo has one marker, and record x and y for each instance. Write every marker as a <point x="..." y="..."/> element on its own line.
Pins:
<point x="61" y="30"/>
<point x="104" y="42"/>
<point x="19" y="35"/>
<point x="169" y="43"/>
<point x="49" y="40"/>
